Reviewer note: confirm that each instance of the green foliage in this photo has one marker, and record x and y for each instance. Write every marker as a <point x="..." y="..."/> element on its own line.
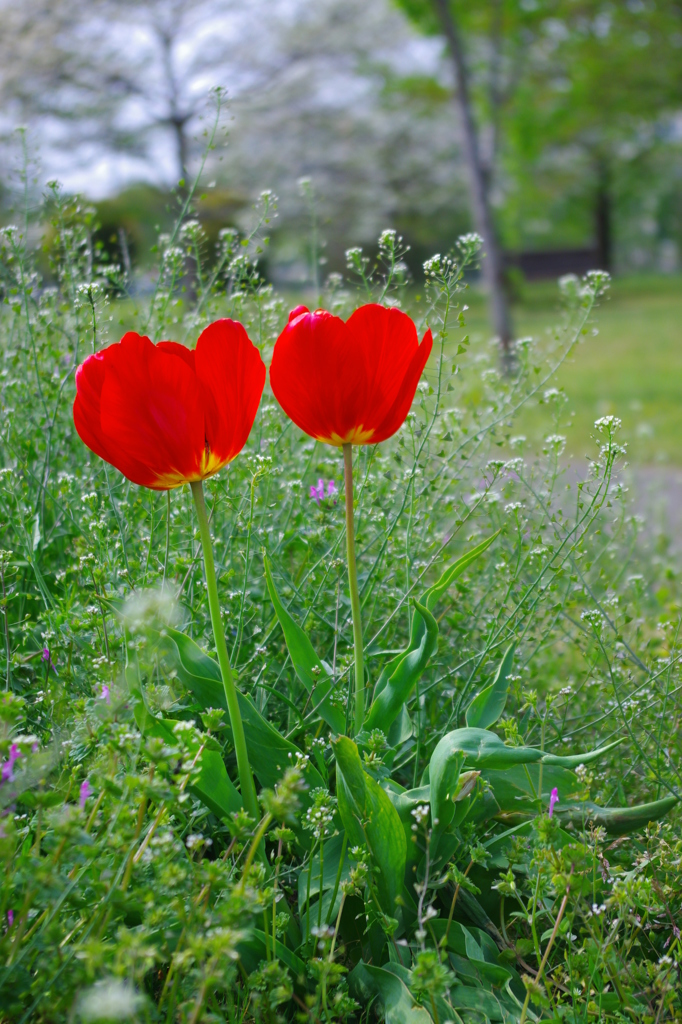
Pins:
<point x="511" y="622"/>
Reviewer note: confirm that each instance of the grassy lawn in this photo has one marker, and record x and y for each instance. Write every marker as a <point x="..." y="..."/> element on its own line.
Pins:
<point x="632" y="368"/>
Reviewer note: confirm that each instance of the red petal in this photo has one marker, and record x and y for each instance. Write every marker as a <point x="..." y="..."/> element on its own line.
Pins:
<point x="384" y="343"/>
<point x="152" y="412"/>
<point x="307" y="362"/>
<point x="175" y="349"/>
<point x="396" y="415"/>
<point x="231" y="369"/>
<point x="349" y="382"/>
<point x="298" y="311"/>
<point x="90" y="378"/>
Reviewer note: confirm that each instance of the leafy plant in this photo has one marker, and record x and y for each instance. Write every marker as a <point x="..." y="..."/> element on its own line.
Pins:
<point x="489" y="844"/>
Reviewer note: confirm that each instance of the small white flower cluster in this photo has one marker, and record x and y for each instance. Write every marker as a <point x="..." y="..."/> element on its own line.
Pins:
<point x="420" y="813"/>
<point x="438" y="266"/>
<point x="608" y="423"/>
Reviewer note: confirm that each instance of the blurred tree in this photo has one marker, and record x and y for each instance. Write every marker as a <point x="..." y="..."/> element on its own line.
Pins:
<point x="536" y="76"/>
<point x="604" y="79"/>
<point x="346" y="109"/>
<point x="311" y="95"/>
<point x="119" y="72"/>
<point x="489" y="29"/>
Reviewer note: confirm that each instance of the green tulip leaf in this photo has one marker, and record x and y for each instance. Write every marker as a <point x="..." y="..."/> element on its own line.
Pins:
<point x="444" y="769"/>
<point x="485" y="749"/>
<point x="213" y="787"/>
<point x="617" y="821"/>
<point x="387" y="705"/>
<point x="440" y="1010"/>
<point x="252" y="951"/>
<point x="371" y="820"/>
<point x="519" y="791"/>
<point x="573" y="760"/>
<point x="308" y="667"/>
<point x="487" y="706"/>
<point x="434" y="593"/>
<point x="400" y="674"/>
<point x="367" y="982"/>
<point x="270" y="753"/>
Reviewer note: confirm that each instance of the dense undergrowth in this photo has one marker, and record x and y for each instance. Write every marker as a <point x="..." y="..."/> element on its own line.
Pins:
<point x="454" y="886"/>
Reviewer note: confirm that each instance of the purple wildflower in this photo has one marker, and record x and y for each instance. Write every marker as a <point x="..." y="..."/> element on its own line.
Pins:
<point x="104" y="693"/>
<point x="47" y="657"/>
<point x="553" y="799"/>
<point x="10" y="918"/>
<point x="85" y="791"/>
<point x="8" y="766"/>
<point x="318" y="495"/>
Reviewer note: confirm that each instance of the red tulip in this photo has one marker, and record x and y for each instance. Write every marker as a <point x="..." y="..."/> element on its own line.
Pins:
<point x="352" y="382"/>
<point x="165" y="415"/>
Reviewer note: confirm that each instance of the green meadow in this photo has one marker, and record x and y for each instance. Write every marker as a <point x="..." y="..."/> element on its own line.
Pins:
<point x="631" y="368"/>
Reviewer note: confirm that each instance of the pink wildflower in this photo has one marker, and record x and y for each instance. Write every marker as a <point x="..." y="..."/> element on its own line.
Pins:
<point x="85" y="791"/>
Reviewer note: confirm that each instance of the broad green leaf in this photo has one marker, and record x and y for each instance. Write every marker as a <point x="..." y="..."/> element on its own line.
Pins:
<point x="214" y="787"/>
<point x="270" y="753"/>
<point x="308" y="667"/>
<point x="573" y="760"/>
<point x="399" y="1006"/>
<point x="485" y="749"/>
<point x="252" y="951"/>
<point x="401" y="674"/>
<point x="516" y="791"/>
<point x="370" y="819"/>
<point x="443" y="1010"/>
<point x="464" y="942"/>
<point x="488" y="705"/>
<point x="387" y="705"/>
<point x="434" y="593"/>
<point x="618" y="821"/>
<point x="444" y="768"/>
<point x="401" y="730"/>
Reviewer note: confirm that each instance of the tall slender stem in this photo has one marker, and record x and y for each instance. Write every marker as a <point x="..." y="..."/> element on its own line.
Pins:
<point x="354" y="594"/>
<point x="243" y="767"/>
<point x="168" y="516"/>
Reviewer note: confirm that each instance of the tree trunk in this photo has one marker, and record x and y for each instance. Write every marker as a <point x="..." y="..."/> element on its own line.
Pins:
<point x="178" y="125"/>
<point x="492" y="265"/>
<point x="603" y="223"/>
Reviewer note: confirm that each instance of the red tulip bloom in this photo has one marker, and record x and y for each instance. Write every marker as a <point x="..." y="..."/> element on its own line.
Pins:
<point x="165" y="415"/>
<point x="352" y="382"/>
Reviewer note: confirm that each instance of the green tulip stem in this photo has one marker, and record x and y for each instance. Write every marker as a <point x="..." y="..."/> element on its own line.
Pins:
<point x="243" y="767"/>
<point x="354" y="594"/>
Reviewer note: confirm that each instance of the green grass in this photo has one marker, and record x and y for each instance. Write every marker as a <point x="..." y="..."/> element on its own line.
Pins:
<point x="631" y="368"/>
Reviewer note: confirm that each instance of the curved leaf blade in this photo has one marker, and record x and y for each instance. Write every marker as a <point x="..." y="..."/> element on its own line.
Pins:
<point x="444" y="770"/>
<point x="213" y="787"/>
<point x="399" y="1006"/>
<point x="386" y="706"/>
<point x="618" y="821"/>
<point x="434" y="593"/>
<point x="308" y="667"/>
<point x="370" y="818"/>
<point x="429" y="601"/>
<point x="573" y="760"/>
<point x="487" y="706"/>
<point x="270" y="753"/>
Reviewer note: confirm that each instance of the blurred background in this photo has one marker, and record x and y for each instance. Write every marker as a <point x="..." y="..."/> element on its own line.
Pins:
<point x="551" y="127"/>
